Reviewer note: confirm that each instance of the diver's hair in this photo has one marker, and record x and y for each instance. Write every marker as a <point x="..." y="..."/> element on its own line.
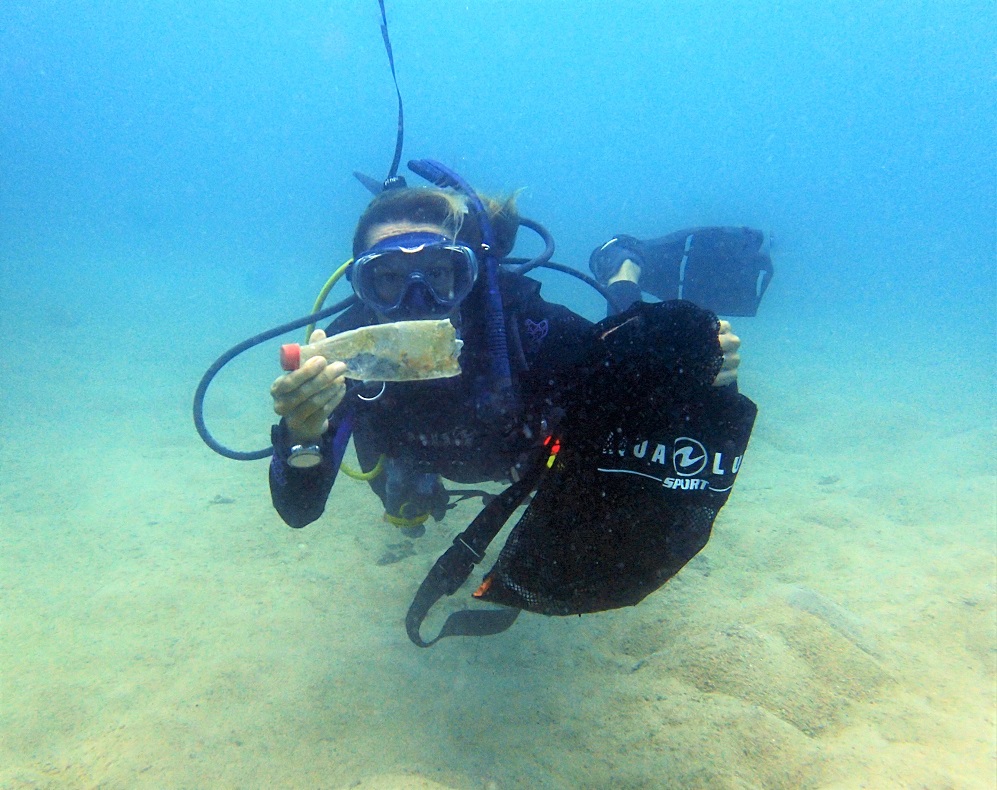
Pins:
<point x="445" y="208"/>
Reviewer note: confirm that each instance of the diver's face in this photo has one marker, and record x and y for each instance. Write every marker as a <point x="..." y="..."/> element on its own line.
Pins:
<point x="393" y="273"/>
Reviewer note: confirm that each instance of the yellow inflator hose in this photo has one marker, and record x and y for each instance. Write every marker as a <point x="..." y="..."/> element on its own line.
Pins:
<point x="320" y="299"/>
<point x="319" y="302"/>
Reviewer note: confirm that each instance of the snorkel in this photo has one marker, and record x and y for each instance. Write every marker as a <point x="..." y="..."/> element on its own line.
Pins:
<point x="498" y="398"/>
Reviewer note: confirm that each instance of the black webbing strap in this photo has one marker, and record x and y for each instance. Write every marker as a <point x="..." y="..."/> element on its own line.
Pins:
<point x="455" y="565"/>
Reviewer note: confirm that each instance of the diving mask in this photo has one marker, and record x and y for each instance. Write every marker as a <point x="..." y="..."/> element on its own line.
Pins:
<point x="414" y="275"/>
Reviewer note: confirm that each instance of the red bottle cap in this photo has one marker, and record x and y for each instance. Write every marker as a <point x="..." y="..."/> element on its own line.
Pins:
<point x="290" y="356"/>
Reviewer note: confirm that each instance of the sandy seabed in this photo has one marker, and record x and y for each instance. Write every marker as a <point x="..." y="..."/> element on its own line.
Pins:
<point x="163" y="628"/>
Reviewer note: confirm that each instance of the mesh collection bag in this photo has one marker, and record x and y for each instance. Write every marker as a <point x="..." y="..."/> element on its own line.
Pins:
<point x="633" y="479"/>
<point x="647" y="457"/>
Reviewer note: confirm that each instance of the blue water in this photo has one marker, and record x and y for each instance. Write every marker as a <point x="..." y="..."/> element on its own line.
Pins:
<point x="176" y="176"/>
<point x="865" y="130"/>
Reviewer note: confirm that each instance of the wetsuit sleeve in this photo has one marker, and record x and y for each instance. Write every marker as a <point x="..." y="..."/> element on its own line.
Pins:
<point x="299" y="495"/>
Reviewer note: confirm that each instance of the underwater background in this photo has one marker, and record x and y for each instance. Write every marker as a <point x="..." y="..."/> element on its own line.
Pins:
<point x="176" y="176"/>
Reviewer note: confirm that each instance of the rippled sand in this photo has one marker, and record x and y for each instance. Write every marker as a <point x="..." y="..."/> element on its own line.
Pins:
<point x="162" y="628"/>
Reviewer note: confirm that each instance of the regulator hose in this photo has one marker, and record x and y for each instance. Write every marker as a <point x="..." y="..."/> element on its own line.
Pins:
<point x="231" y="354"/>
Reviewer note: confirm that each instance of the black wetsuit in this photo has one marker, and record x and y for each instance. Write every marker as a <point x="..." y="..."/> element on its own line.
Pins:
<point x="434" y="425"/>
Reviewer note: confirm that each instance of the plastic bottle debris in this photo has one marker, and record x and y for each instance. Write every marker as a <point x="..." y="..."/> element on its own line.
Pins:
<point x="400" y="351"/>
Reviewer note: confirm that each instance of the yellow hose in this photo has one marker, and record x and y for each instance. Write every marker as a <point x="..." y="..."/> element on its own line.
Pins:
<point x="320" y="299"/>
<point x="364" y="476"/>
<point x="402" y="522"/>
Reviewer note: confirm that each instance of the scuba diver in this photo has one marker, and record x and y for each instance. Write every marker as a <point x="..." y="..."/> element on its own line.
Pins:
<point x="626" y="436"/>
<point x="418" y="254"/>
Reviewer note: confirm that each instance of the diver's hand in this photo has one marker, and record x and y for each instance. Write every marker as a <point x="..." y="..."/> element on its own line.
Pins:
<point x="307" y="396"/>
<point x="729" y="344"/>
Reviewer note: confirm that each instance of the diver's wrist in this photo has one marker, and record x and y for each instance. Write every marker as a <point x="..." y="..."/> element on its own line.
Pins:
<point x="288" y="437"/>
<point x="293" y="437"/>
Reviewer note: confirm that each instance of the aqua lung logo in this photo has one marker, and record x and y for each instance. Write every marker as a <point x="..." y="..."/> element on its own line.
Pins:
<point x="693" y="465"/>
<point x="688" y="457"/>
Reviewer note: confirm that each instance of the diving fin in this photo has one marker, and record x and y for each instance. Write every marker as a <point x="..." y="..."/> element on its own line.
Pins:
<point x="372" y="185"/>
<point x="723" y="269"/>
